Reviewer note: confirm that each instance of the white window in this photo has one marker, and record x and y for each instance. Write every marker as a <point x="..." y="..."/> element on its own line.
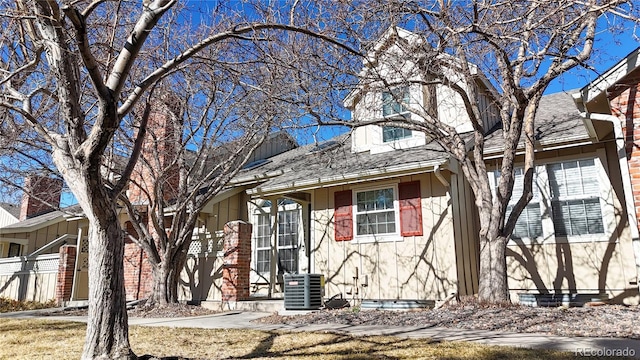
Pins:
<point x="288" y="236"/>
<point x="288" y="230"/>
<point x="376" y="213"/>
<point x="575" y="198"/>
<point x="263" y="244"/>
<point x="529" y="224"/>
<point x="571" y="201"/>
<point x="392" y="107"/>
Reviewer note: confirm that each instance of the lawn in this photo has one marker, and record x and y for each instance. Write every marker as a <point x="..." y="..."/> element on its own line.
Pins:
<point x="43" y="339"/>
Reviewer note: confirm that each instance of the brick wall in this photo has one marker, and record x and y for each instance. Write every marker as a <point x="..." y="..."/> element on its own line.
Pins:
<point x="237" y="261"/>
<point x="624" y="100"/>
<point x="39" y="187"/>
<point x="66" y="271"/>
<point x="159" y="151"/>
<point x="137" y="273"/>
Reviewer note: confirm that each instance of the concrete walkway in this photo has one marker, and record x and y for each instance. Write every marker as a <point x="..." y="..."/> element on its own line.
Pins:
<point x="585" y="346"/>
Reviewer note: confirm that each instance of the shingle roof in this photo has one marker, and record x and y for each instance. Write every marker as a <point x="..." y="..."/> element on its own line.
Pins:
<point x="12" y="209"/>
<point x="304" y="168"/>
<point x="557" y="122"/>
<point x="42" y="219"/>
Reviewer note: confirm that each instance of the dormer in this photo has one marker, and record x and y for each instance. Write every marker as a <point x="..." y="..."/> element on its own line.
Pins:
<point x="392" y="86"/>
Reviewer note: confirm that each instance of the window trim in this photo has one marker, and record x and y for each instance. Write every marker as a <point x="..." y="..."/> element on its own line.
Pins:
<point x="404" y="113"/>
<point x="256" y="211"/>
<point x="605" y="195"/>
<point x="257" y="248"/>
<point x="13" y="246"/>
<point x="374" y="238"/>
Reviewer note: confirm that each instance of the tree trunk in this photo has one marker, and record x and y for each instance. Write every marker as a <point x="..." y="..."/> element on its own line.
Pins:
<point x="107" y="325"/>
<point x="493" y="269"/>
<point x="160" y="277"/>
<point x="166" y="278"/>
<point x="174" y="276"/>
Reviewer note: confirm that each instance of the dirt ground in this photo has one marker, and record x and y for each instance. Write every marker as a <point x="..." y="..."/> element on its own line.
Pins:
<point x="598" y="321"/>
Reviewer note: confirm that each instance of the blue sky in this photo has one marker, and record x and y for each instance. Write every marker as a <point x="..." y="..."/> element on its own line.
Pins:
<point x="608" y="50"/>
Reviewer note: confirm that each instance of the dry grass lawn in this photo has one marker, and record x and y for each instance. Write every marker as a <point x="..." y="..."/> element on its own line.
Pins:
<point x="42" y="339"/>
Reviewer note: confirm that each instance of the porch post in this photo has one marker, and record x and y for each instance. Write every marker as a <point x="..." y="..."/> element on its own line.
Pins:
<point x="273" y="270"/>
<point x="237" y="262"/>
<point x="66" y="272"/>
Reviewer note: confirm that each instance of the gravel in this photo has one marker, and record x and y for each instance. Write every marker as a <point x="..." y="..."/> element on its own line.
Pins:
<point x="158" y="311"/>
<point x="602" y="321"/>
<point x="597" y="321"/>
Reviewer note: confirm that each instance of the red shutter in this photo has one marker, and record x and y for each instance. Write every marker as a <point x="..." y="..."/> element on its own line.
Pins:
<point x="410" y="208"/>
<point x="343" y="215"/>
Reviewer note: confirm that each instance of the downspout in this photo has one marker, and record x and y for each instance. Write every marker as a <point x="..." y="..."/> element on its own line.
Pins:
<point x="626" y="183"/>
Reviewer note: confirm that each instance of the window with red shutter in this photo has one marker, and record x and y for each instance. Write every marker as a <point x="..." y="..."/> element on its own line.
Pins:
<point x="343" y="215"/>
<point x="410" y="208"/>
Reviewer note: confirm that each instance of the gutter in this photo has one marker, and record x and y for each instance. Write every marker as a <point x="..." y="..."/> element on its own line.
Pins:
<point x="577" y="141"/>
<point x="336" y="180"/>
<point x="626" y="181"/>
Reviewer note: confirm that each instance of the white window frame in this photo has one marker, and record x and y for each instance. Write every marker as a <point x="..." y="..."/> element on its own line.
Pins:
<point x="257" y="248"/>
<point x="404" y="113"/>
<point x="605" y="196"/>
<point x="297" y="209"/>
<point x="258" y="211"/>
<point x="373" y="238"/>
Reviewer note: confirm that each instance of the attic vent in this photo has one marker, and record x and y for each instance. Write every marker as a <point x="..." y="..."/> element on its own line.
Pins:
<point x="327" y="145"/>
<point x="255" y="164"/>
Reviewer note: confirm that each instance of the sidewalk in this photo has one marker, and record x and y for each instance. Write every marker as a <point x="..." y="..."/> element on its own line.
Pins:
<point x="242" y="320"/>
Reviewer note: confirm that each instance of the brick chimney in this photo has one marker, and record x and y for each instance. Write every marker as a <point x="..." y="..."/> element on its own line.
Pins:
<point x="158" y="151"/>
<point x="39" y="188"/>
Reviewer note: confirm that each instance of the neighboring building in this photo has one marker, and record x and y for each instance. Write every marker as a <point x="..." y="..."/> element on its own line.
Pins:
<point x="388" y="218"/>
<point x="9" y="214"/>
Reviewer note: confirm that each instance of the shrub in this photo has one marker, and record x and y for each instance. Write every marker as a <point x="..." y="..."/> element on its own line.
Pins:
<point x="9" y="305"/>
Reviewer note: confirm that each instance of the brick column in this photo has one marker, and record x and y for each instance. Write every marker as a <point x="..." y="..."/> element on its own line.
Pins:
<point x="66" y="271"/>
<point x="237" y="260"/>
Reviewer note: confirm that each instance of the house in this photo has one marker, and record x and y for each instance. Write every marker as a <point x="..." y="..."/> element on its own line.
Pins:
<point x="387" y="217"/>
<point x="9" y="214"/>
<point x="389" y="220"/>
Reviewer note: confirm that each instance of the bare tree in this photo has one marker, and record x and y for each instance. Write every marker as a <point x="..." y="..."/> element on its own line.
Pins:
<point x="502" y="54"/>
<point x="74" y="73"/>
<point x="197" y="142"/>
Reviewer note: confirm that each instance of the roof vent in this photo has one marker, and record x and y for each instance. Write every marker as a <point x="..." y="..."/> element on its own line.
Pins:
<point x="255" y="164"/>
<point x="327" y="145"/>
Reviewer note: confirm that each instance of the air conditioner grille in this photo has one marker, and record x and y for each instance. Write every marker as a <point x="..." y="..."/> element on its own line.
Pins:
<point x="303" y="291"/>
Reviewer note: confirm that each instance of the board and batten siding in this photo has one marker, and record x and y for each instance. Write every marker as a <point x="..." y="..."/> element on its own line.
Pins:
<point x="416" y="267"/>
<point x="6" y="218"/>
<point x="201" y="278"/>
<point x="466" y="235"/>
<point x="41" y="237"/>
<point x="591" y="264"/>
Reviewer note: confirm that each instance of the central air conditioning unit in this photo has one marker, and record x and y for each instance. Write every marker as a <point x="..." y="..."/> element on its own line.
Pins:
<point x="303" y="291"/>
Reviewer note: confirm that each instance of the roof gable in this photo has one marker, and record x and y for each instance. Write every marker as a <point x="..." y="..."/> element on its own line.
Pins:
<point x="593" y="98"/>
